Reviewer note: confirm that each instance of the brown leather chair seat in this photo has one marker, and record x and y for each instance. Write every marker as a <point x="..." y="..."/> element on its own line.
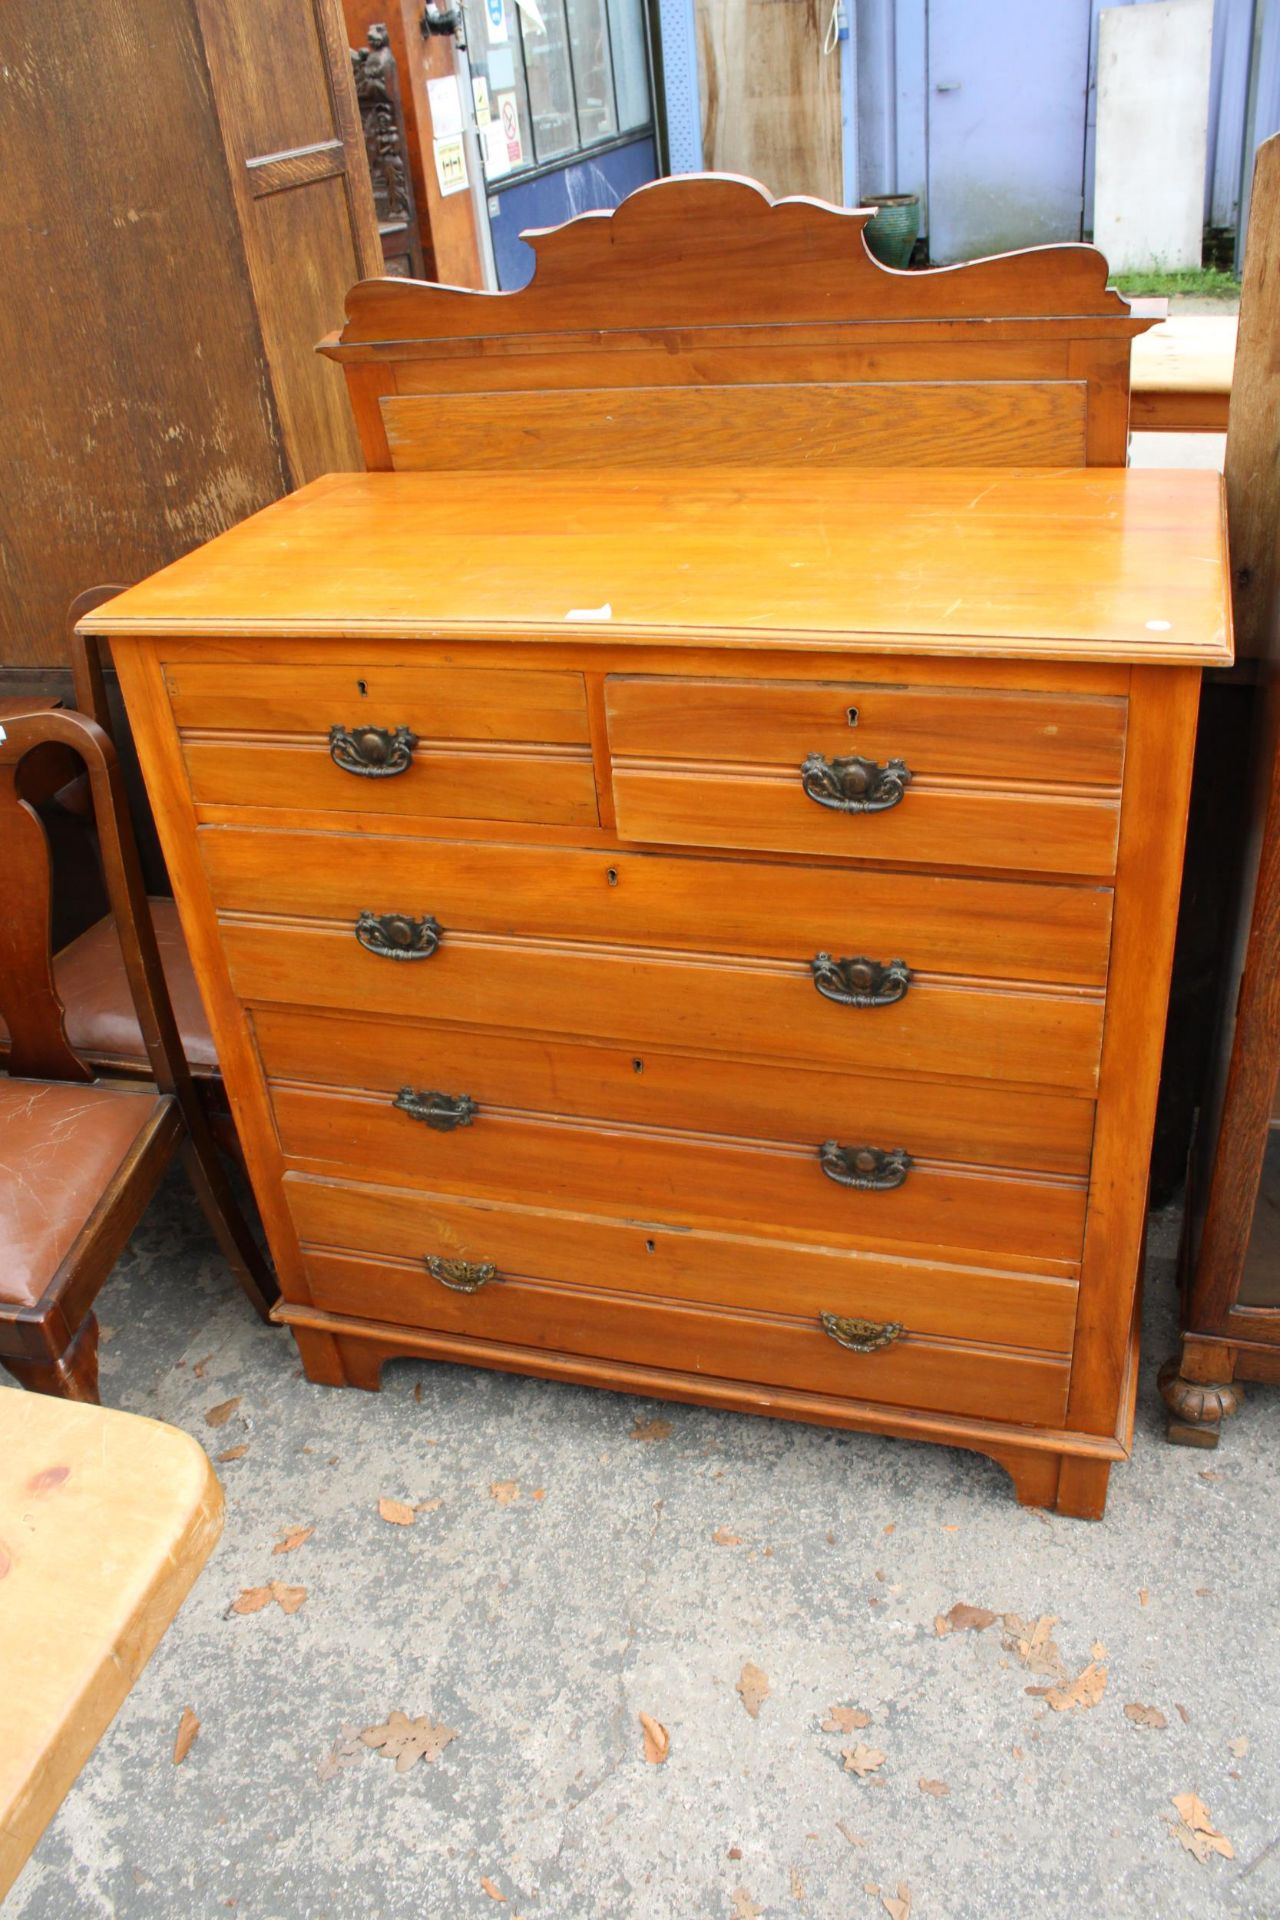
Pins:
<point x="63" y="1147"/>
<point x="94" y="988"/>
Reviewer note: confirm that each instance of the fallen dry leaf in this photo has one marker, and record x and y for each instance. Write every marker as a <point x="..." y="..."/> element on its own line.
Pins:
<point x="395" y="1512"/>
<point x="862" y="1760"/>
<point x="723" y="1538"/>
<point x="938" y="1788"/>
<point x="505" y="1491"/>
<point x="1085" y="1690"/>
<point x="1029" y="1640"/>
<point x="1097" y="1651"/>
<point x="744" y="1907"/>
<point x="1196" y="1831"/>
<point x="406" y="1741"/>
<point x="1144" y="1716"/>
<point x="898" y="1908"/>
<point x="188" y="1728"/>
<point x="538" y="1493"/>
<point x="651" y="1430"/>
<point x="854" y="1839"/>
<point x="218" y="1416"/>
<point x="254" y="1599"/>
<point x="290" y="1541"/>
<point x="429" y="1506"/>
<point x="963" y="1619"/>
<point x="797" y="1884"/>
<point x="1143" y="1596"/>
<point x="344" y="1752"/>
<point x="492" y="1891"/>
<point x="1239" y="1746"/>
<point x="1182" y="1713"/>
<point x="233" y="1453"/>
<point x="657" y="1741"/>
<point x="845" y="1720"/>
<point x="753" y="1685"/>
<point x="198" y="1369"/>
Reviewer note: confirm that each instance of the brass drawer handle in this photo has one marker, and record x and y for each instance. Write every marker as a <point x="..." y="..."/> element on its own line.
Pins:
<point x="861" y="1336"/>
<point x="870" y="1169"/>
<point x="442" y="1112"/>
<point x="375" y="753"/>
<point x="460" y="1276"/>
<point x="398" y="936"/>
<point x="854" y="785"/>
<point x="860" y="982"/>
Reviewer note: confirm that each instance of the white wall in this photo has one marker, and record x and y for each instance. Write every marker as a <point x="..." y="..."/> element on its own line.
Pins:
<point x="1153" y="111"/>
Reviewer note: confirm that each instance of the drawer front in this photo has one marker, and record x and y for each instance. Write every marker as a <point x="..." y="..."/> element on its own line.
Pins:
<point x="994" y="1306"/>
<point x="1029" y="782"/>
<point x="701" y="1004"/>
<point x="436" y="703"/>
<point x="688" y="1179"/>
<point x="765" y="1350"/>
<point x="972" y="1124"/>
<point x="552" y="786"/>
<point x="1074" y="740"/>
<point x="986" y="929"/>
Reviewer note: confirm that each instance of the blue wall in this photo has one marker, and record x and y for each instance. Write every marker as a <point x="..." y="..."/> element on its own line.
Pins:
<point x="551" y="198"/>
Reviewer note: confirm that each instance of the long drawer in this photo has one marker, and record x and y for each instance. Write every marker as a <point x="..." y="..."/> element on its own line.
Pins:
<point x="769" y="1350"/>
<point x="690" y="1179"/>
<point x="700" y="1003"/>
<point x="970" y="1123"/>
<point x="938" y="776"/>
<point x="993" y="1305"/>
<point x="989" y="929"/>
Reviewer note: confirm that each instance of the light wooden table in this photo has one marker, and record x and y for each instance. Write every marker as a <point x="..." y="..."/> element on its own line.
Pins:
<point x="1180" y="380"/>
<point x="105" y="1521"/>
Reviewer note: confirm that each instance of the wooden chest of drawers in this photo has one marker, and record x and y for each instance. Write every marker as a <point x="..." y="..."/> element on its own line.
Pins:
<point x="704" y="935"/>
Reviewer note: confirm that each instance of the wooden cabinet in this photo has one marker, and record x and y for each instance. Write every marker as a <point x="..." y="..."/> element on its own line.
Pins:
<point x="702" y="932"/>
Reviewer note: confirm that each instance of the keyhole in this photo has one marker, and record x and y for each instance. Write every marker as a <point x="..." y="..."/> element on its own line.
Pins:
<point x="853" y="716"/>
<point x="637" y="1066"/>
<point x="612" y="876"/>
<point x="649" y="1247"/>
<point x="362" y="687"/>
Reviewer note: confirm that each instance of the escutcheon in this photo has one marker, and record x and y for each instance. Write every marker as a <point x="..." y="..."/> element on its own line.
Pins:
<point x="860" y="982"/>
<point x="398" y="936"/>
<point x="854" y="785"/>
<point x="870" y="1169"/>
<point x="375" y="753"/>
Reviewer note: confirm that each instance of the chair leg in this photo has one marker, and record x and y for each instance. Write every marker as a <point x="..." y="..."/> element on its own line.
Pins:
<point x="72" y="1376"/>
<point x="221" y="1209"/>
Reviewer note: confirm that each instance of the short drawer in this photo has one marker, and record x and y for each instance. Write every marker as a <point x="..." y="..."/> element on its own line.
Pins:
<point x="964" y="1122"/>
<point x="700" y="1003"/>
<point x="985" y="929"/>
<point x="690" y="1179"/>
<point x="765" y="1349"/>
<point x="998" y="1306"/>
<point x="943" y="777"/>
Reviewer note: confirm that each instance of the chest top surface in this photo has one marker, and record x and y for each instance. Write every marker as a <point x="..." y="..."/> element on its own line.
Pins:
<point x="1089" y="564"/>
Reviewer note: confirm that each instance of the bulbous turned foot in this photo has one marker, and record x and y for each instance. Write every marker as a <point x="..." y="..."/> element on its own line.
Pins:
<point x="1197" y="1408"/>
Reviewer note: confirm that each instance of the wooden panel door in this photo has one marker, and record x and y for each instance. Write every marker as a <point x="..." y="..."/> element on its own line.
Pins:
<point x="770" y="96"/>
<point x="295" y="151"/>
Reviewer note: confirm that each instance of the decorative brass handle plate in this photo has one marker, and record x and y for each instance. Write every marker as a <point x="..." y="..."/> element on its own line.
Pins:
<point x="375" y="753"/>
<point x="442" y="1112"/>
<point x="870" y="1169"/>
<point x="860" y="982"/>
<point x="861" y="1336"/>
<point x="460" y="1276"/>
<point x="854" y="785"/>
<point x="398" y="936"/>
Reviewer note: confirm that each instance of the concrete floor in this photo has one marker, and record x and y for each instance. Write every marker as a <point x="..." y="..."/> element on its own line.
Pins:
<point x="541" y="1627"/>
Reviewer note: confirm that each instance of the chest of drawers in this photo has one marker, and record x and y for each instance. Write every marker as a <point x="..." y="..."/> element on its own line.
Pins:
<point x="699" y="934"/>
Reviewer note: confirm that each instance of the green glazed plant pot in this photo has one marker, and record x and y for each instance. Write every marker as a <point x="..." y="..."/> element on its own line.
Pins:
<point x="893" y="228"/>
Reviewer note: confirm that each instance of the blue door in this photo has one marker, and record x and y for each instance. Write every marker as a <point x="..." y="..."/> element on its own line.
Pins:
<point x="1007" y="85"/>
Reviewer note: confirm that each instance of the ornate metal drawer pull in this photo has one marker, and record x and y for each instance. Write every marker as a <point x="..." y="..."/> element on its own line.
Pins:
<point x="854" y="785"/>
<point x="441" y="1111"/>
<point x="861" y="1336"/>
<point x="375" y="753"/>
<point x="860" y="982"/>
<point x="461" y="1276"/>
<point x="870" y="1169"/>
<point x="398" y="936"/>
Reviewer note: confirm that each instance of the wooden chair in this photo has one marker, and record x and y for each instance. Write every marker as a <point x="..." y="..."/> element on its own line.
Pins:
<point x="83" y="1155"/>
